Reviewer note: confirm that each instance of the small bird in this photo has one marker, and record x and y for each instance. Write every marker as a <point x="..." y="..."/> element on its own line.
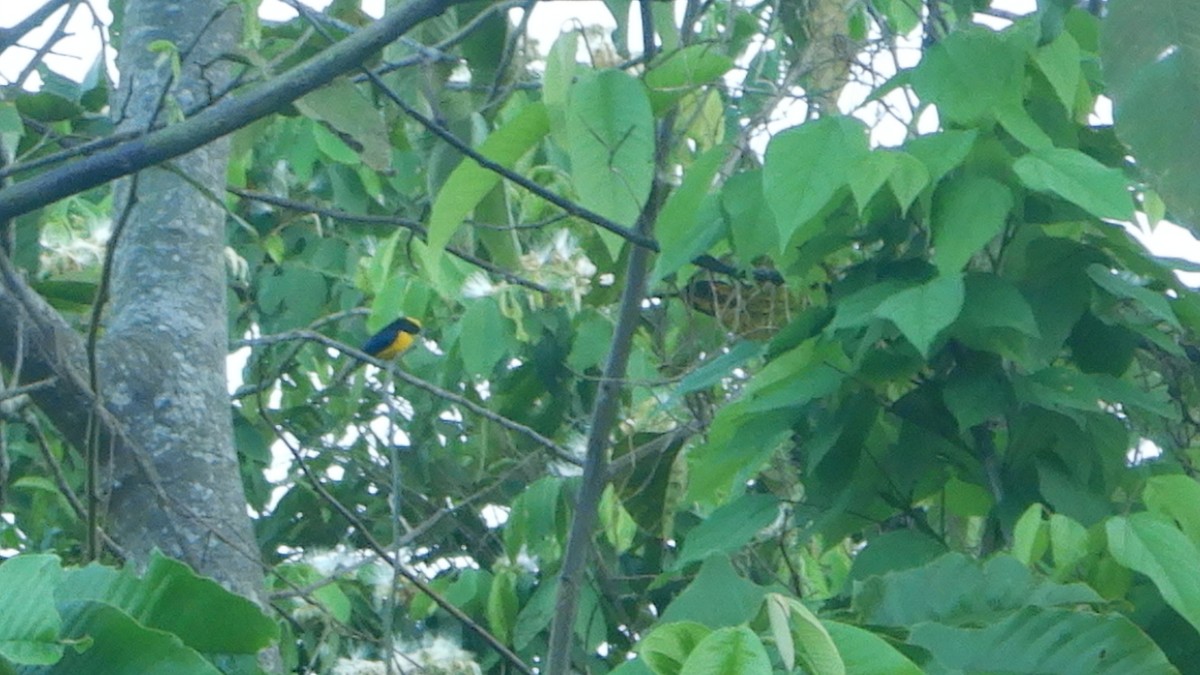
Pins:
<point x="391" y="341"/>
<point x="394" y="339"/>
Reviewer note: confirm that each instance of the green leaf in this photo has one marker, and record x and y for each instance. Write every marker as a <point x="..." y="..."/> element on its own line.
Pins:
<point x="1153" y="302"/>
<point x="956" y="590"/>
<point x="807" y="636"/>
<point x="556" y="84"/>
<point x="611" y="127"/>
<point x="346" y="108"/>
<point x="679" y="72"/>
<point x="942" y="152"/>
<point x="968" y="212"/>
<point x="502" y="605"/>
<point x="716" y="597"/>
<point x="1021" y="126"/>
<point x="1150" y="49"/>
<point x="1153" y="546"/>
<point x="119" y="645"/>
<point x="908" y="179"/>
<point x="30" y="623"/>
<point x="805" y="168"/>
<point x="537" y="614"/>
<point x="592" y="340"/>
<point x="667" y="646"/>
<point x="333" y="147"/>
<point x="729" y="527"/>
<point x="729" y="651"/>
<point x="1079" y="179"/>
<point x="484" y="318"/>
<point x="870" y="175"/>
<point x="921" y="313"/>
<point x="681" y="235"/>
<point x="1031" y="538"/>
<point x="751" y="223"/>
<point x="865" y="653"/>
<point x="469" y="183"/>
<point x="1041" y="640"/>
<point x="1059" y="61"/>
<point x="971" y="73"/>
<point x="894" y="551"/>
<point x="1068" y="544"/>
<point x="713" y="371"/>
<point x="1176" y="497"/>
<point x="170" y="597"/>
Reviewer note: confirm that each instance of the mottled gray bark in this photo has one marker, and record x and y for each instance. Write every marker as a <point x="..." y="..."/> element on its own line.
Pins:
<point x="162" y="355"/>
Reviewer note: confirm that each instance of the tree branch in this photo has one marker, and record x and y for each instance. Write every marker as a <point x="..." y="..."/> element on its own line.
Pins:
<point x="219" y="120"/>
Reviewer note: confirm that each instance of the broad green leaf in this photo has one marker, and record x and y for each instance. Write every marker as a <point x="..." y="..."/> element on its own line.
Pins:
<point x="556" y="85"/>
<point x="870" y="175"/>
<point x="1068" y="544"/>
<point x="865" y="653"/>
<point x="536" y="616"/>
<point x="716" y="597"/>
<point x="921" y="313"/>
<point x="533" y="521"/>
<point x="1079" y="179"/>
<point x="781" y="629"/>
<point x="908" y="179"/>
<point x="667" y="646"/>
<point x="729" y="527"/>
<point x="1153" y="546"/>
<point x="483" y="318"/>
<point x="968" y="212"/>
<point x="502" y="605"/>
<point x="859" y="308"/>
<point x="1177" y="497"/>
<point x="469" y="183"/>
<point x="1021" y="126"/>
<point x="1059" y="61"/>
<point x="975" y="397"/>
<point x="681" y="235"/>
<point x="170" y="597"/>
<point x="971" y="73"/>
<point x="346" y="108"/>
<point x="1150" y="53"/>
<point x="1044" y="640"/>
<point x="806" y="167"/>
<point x="1153" y="302"/>
<point x="678" y="72"/>
<point x="955" y="589"/>
<point x="1031" y="538"/>
<point x="30" y="623"/>
<point x="713" y="371"/>
<point x="808" y="637"/>
<point x="611" y="129"/>
<point x="119" y="645"/>
<point x="893" y="551"/>
<point x="334" y="147"/>
<point x="615" y="522"/>
<point x="729" y="651"/>
<point x="592" y="340"/>
<point x="751" y="222"/>
<point x="942" y="152"/>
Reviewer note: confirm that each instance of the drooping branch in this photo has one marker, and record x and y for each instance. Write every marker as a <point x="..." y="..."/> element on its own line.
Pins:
<point x="219" y="120"/>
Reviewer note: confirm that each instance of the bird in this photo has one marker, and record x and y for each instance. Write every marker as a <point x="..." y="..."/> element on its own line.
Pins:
<point x="393" y="339"/>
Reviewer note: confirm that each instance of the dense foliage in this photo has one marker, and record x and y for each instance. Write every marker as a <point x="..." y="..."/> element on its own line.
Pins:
<point x="888" y="398"/>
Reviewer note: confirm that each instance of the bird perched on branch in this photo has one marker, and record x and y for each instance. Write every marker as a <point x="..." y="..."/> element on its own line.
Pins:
<point x="393" y="339"/>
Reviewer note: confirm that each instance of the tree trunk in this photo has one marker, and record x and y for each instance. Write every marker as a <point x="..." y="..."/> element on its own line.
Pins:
<point x="162" y="355"/>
